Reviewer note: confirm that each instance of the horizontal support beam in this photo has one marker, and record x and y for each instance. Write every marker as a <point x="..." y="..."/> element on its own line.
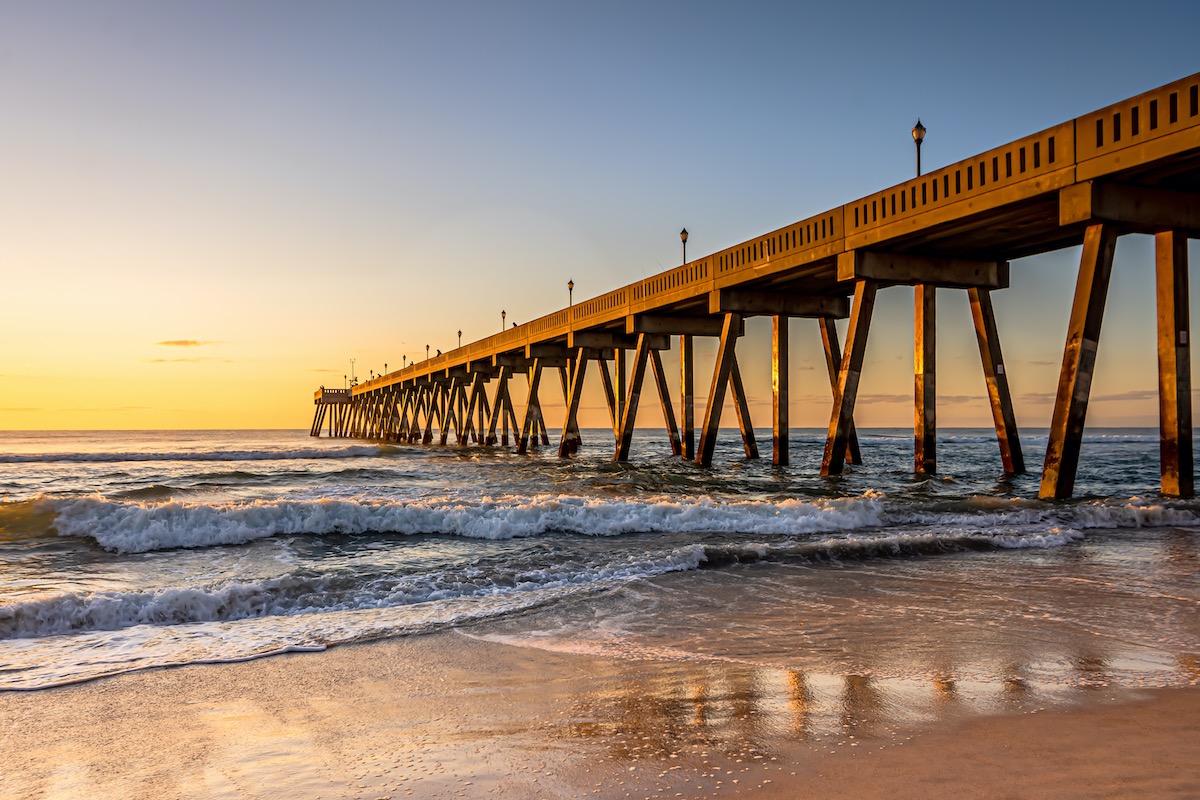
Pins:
<point x="604" y="340"/>
<point x="788" y="304"/>
<point x="546" y="351"/>
<point x="1140" y="207"/>
<point x="513" y="360"/>
<point x="676" y="326"/>
<point x="909" y="270"/>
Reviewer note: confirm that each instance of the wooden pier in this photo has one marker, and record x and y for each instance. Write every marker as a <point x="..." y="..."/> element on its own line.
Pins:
<point x="1133" y="167"/>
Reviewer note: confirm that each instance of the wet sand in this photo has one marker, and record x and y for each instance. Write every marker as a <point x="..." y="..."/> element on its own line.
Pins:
<point x="447" y="715"/>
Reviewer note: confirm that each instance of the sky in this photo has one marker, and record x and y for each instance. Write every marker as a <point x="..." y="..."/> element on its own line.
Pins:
<point x="207" y="210"/>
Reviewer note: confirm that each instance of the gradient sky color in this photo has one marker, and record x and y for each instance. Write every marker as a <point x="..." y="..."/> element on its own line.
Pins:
<point x="208" y="209"/>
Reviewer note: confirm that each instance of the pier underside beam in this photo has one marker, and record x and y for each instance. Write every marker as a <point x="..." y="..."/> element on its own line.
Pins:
<point x="999" y="396"/>
<point x="674" y="326"/>
<point x="1079" y="361"/>
<point x="1133" y="208"/>
<point x="1174" y="365"/>
<point x="890" y="269"/>
<point x="849" y="374"/>
<point x="749" y="304"/>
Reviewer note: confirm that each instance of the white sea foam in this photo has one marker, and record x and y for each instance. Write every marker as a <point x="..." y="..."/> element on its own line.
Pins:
<point x="354" y="451"/>
<point x="60" y="613"/>
<point x="132" y="527"/>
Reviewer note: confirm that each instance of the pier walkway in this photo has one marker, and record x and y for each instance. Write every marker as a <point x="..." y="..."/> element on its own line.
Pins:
<point x="1133" y="167"/>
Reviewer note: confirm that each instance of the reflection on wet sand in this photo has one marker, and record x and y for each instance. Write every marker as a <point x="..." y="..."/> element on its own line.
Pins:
<point x="742" y="711"/>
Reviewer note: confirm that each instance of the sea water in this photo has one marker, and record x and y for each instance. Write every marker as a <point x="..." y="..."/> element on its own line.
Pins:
<point x="122" y="551"/>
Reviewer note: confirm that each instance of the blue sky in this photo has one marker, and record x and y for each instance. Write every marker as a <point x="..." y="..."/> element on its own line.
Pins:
<point x="292" y="185"/>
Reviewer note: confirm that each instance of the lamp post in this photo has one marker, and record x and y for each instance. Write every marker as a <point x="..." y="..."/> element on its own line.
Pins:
<point x="503" y="314"/>
<point x="352" y="370"/>
<point x="570" y="293"/>
<point x="403" y="362"/>
<point x="426" y="352"/>
<point x="683" y="238"/>
<point x="918" y="133"/>
<point x="460" y="338"/>
<point x="345" y="382"/>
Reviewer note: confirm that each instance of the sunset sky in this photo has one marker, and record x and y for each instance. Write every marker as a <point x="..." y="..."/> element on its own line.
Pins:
<point x="208" y="209"/>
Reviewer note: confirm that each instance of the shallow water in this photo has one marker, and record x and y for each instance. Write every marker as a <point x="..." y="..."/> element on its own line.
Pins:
<point x="123" y="551"/>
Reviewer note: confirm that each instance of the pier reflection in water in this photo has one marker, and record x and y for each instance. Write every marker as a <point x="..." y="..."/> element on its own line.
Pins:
<point x="744" y="664"/>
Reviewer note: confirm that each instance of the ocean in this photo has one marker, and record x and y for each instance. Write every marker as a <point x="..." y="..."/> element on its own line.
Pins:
<point x="125" y="551"/>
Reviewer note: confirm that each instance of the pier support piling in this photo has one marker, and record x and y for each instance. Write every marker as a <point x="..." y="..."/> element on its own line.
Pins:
<point x="925" y="378"/>
<point x="833" y="363"/>
<point x="1079" y="361"/>
<point x="849" y="374"/>
<point x="630" y="405"/>
<point x="687" y="396"/>
<point x="1174" y="365"/>
<point x="716" y="394"/>
<point x="779" y="390"/>
<point x="999" y="396"/>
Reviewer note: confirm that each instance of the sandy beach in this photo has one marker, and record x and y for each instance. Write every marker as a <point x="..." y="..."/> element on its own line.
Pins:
<point x="449" y="715"/>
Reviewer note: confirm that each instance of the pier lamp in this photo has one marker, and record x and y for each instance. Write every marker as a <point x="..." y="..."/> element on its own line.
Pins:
<point x="426" y="352"/>
<point x="345" y="383"/>
<point x="503" y="314"/>
<point x="460" y="338"/>
<point x="683" y="238"/>
<point x="918" y="133"/>
<point x="570" y="293"/>
<point x="385" y="368"/>
<point x="403" y="362"/>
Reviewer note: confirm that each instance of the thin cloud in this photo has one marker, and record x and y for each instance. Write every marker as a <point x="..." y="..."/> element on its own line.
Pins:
<point x="185" y="343"/>
<point x="1141" y="394"/>
<point x="195" y="360"/>
<point x="885" y="398"/>
<point x="20" y="410"/>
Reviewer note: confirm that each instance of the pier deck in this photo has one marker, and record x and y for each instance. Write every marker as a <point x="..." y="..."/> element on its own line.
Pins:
<point x="1132" y="167"/>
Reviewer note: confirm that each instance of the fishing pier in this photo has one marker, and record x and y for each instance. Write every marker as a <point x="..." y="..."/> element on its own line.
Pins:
<point x="1133" y="167"/>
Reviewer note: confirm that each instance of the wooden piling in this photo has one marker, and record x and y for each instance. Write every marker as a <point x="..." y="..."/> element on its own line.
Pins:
<point x="833" y="361"/>
<point x="999" y="397"/>
<point x="570" y="430"/>
<point x="1174" y="365"/>
<point x="925" y="378"/>
<point x="716" y="394"/>
<point x="630" y="404"/>
<point x="849" y="374"/>
<point x="664" y="397"/>
<point x="1079" y="361"/>
<point x="687" y="396"/>
<point x="779" y="390"/>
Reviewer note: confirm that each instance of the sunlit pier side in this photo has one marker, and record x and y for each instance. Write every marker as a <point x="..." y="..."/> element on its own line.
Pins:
<point x="1133" y="167"/>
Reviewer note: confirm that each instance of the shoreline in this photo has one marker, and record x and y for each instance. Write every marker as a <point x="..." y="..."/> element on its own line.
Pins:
<point x="450" y="715"/>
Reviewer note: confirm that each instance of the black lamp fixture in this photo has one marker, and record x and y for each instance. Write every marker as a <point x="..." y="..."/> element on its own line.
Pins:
<point x="918" y="133"/>
<point x="683" y="234"/>
<point x="570" y="293"/>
